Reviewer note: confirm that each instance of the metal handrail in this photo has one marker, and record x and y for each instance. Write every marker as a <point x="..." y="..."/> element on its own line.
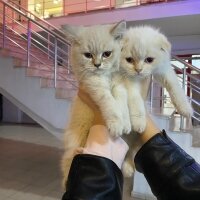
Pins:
<point x="36" y="22"/>
<point x="187" y="79"/>
<point x="29" y="14"/>
<point x="55" y="40"/>
<point x="186" y="63"/>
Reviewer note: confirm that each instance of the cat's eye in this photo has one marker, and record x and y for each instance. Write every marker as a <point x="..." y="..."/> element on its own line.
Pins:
<point x="149" y="60"/>
<point x="88" y="55"/>
<point x="107" y="54"/>
<point x="130" y="60"/>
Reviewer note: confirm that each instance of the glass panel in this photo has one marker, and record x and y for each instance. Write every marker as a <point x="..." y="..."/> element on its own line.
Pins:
<point x="46" y="8"/>
<point x="196" y="60"/>
<point x="177" y="64"/>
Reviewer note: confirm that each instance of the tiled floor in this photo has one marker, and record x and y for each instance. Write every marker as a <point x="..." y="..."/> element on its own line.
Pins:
<point x="29" y="164"/>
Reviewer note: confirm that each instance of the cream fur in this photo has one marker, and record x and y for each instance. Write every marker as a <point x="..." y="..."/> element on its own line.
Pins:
<point x="118" y="91"/>
<point x="140" y="43"/>
<point x="98" y="83"/>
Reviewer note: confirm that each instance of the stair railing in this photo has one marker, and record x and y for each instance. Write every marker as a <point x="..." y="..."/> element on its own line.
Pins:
<point x="48" y="39"/>
<point x="189" y="77"/>
<point x="191" y="85"/>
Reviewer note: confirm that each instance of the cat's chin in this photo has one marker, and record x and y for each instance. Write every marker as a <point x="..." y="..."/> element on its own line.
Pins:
<point x="97" y="71"/>
<point x="140" y="76"/>
<point x="103" y="71"/>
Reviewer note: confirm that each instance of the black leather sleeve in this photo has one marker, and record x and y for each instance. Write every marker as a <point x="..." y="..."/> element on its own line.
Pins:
<point x="171" y="173"/>
<point x="93" y="178"/>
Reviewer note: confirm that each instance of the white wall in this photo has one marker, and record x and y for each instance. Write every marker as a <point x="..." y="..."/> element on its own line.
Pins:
<point x="25" y="92"/>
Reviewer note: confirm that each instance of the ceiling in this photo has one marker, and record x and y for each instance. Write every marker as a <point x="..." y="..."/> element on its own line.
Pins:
<point x="179" y="21"/>
<point x="182" y="31"/>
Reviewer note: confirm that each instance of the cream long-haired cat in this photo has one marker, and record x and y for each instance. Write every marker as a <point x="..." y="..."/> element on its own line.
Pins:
<point x="95" y="56"/>
<point x="145" y="52"/>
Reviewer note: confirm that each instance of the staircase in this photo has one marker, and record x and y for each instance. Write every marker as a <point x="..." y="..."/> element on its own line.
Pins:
<point x="34" y="71"/>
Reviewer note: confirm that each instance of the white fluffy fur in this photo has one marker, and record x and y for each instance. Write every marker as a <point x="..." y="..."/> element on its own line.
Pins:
<point x="97" y="81"/>
<point x="140" y="43"/>
<point x="118" y="94"/>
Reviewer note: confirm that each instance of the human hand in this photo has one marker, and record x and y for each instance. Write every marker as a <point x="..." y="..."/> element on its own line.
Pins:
<point x="150" y="130"/>
<point x="99" y="142"/>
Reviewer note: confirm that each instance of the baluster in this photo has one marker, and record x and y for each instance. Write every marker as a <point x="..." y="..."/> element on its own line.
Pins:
<point x="55" y="62"/>
<point x="183" y="86"/>
<point x="86" y="6"/>
<point x="28" y="42"/>
<point x="4" y="24"/>
<point x="151" y="94"/>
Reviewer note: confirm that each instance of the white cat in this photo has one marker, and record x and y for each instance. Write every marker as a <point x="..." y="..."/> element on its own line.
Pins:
<point x="145" y="52"/>
<point x="95" y="56"/>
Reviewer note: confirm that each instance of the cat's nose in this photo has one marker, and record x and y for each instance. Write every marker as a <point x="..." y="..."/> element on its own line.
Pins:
<point x="97" y="65"/>
<point x="138" y="70"/>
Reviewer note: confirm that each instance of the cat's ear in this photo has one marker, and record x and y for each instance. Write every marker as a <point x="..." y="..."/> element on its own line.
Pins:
<point x="117" y="30"/>
<point x="71" y="32"/>
<point x="165" y="44"/>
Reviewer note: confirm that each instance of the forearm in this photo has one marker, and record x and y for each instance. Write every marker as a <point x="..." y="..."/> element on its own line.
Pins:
<point x="150" y="130"/>
<point x="171" y="173"/>
<point x="93" y="177"/>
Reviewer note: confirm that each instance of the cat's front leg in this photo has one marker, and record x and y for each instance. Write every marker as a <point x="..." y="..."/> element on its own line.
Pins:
<point x="120" y="94"/>
<point x="108" y="106"/>
<point x="170" y="81"/>
<point x="81" y="119"/>
<point x="136" y="107"/>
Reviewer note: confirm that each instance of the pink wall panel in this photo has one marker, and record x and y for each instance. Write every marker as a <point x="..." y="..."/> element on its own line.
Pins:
<point x="74" y="6"/>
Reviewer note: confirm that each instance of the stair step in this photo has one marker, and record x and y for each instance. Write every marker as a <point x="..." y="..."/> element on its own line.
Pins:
<point x="161" y="121"/>
<point x="36" y="56"/>
<point x="67" y="84"/>
<point x="182" y="139"/>
<point x="19" y="62"/>
<point x="13" y="46"/>
<point x="22" y="55"/>
<point x="60" y="70"/>
<point x="65" y="94"/>
<point x="4" y="52"/>
<point x="13" y="36"/>
<point x="23" y="43"/>
<point x="44" y="73"/>
<point x="195" y="152"/>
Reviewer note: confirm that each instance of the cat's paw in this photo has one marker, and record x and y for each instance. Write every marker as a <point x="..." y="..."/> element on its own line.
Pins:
<point x="127" y="127"/>
<point x="185" y="110"/>
<point x="115" y="127"/>
<point x="127" y="169"/>
<point x="138" y="123"/>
